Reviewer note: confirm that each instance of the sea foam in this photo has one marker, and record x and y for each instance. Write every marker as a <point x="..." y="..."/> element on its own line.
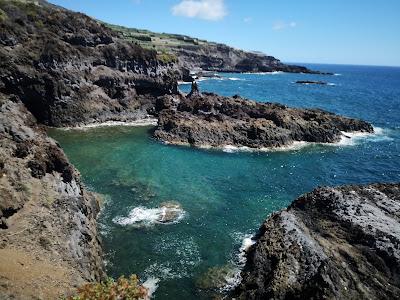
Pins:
<point x="137" y="123"/>
<point x="347" y="139"/>
<point x="143" y="217"/>
<point x="234" y="279"/>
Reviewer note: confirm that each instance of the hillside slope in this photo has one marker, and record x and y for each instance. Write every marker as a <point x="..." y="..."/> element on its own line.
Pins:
<point x="195" y="54"/>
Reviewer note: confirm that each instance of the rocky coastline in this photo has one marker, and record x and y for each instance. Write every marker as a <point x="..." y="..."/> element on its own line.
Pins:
<point x="209" y="120"/>
<point x="332" y="243"/>
<point x="64" y="69"/>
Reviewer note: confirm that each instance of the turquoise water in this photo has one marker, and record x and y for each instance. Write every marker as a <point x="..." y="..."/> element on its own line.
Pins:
<point x="226" y="196"/>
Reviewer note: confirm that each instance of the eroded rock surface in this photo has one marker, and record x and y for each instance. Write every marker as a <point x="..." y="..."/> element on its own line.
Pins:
<point x="69" y="69"/>
<point x="48" y="237"/>
<point x="333" y="243"/>
<point x="214" y="121"/>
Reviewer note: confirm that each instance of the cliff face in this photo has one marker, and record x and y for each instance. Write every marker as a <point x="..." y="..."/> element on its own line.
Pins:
<point x="333" y="243"/>
<point x="69" y="69"/>
<point x="48" y="238"/>
<point x="222" y="58"/>
<point x="216" y="121"/>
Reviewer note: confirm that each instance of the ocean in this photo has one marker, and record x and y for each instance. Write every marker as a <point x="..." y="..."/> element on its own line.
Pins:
<point x="225" y="196"/>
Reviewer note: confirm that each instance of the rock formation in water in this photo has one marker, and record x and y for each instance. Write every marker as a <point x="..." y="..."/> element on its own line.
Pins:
<point x="49" y="243"/>
<point x="333" y="243"/>
<point x="311" y="82"/>
<point x="209" y="120"/>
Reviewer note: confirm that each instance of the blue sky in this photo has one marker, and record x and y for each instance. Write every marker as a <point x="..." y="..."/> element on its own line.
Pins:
<point x="334" y="31"/>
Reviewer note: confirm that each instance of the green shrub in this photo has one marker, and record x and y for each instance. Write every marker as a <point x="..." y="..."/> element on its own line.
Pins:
<point x="3" y="15"/>
<point x="110" y="289"/>
<point x="166" y="57"/>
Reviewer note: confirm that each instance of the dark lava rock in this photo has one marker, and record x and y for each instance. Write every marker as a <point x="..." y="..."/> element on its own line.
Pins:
<point x="333" y="243"/>
<point x="311" y="82"/>
<point x="214" y="121"/>
<point x="69" y="69"/>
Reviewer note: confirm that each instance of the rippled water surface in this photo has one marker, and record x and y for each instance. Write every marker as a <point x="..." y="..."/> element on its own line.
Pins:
<point x="222" y="197"/>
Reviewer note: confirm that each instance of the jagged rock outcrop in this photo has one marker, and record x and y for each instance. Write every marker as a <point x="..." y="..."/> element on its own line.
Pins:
<point x="332" y="243"/>
<point x="209" y="120"/>
<point x="222" y="58"/>
<point x="48" y="237"/>
<point x="69" y="69"/>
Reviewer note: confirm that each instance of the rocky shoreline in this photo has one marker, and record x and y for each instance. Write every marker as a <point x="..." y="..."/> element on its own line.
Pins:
<point x="332" y="243"/>
<point x="49" y="243"/>
<point x="64" y="69"/>
<point x="209" y="120"/>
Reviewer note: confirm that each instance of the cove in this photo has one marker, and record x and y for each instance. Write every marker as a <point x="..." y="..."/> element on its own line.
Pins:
<point x="225" y="196"/>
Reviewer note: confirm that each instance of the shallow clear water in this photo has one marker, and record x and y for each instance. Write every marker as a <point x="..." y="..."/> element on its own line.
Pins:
<point x="227" y="195"/>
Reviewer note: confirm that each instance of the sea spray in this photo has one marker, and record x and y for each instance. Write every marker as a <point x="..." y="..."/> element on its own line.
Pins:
<point x="166" y="213"/>
<point x="151" y="284"/>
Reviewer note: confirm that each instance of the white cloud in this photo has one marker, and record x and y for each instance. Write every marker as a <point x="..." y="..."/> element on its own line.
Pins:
<point x="248" y="20"/>
<point x="212" y="10"/>
<point x="280" y="25"/>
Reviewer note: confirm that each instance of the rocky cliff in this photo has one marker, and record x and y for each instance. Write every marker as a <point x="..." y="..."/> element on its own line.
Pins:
<point x="196" y="54"/>
<point x="48" y="238"/>
<point x="333" y="243"/>
<point x="70" y="69"/>
<point x="61" y="68"/>
<point x="209" y="120"/>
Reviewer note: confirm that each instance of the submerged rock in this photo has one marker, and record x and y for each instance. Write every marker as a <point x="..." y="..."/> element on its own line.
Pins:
<point x="166" y="213"/>
<point x="311" y="82"/>
<point x="217" y="278"/>
<point x="209" y="120"/>
<point x="169" y="212"/>
<point x="333" y="243"/>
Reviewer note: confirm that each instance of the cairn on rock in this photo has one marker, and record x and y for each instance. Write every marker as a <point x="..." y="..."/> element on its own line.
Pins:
<point x="195" y="90"/>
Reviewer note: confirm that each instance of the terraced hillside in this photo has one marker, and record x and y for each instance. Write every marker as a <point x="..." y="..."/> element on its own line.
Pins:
<point x="195" y="54"/>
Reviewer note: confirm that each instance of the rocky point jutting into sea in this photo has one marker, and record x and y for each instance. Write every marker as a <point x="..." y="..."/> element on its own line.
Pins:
<point x="209" y="120"/>
<point x="60" y="68"/>
<point x="332" y="243"/>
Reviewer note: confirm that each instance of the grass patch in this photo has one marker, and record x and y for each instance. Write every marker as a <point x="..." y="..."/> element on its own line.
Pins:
<point x="110" y="289"/>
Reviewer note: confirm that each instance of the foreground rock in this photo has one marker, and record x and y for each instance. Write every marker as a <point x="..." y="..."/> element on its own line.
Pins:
<point x="48" y="238"/>
<point x="209" y="120"/>
<point x="333" y="243"/>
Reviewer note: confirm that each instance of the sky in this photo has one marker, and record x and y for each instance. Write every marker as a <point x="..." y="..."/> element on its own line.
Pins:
<point x="361" y="32"/>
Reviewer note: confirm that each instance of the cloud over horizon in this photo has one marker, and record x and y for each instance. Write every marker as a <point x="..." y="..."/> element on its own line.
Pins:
<point x="280" y="25"/>
<point x="211" y="10"/>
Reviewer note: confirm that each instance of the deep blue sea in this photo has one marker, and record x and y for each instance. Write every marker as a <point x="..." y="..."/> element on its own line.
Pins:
<point x="225" y="197"/>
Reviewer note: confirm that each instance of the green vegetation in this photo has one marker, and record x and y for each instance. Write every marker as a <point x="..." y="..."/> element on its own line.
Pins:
<point x="121" y="289"/>
<point x="165" y="44"/>
<point x="3" y="15"/>
<point x="166" y="57"/>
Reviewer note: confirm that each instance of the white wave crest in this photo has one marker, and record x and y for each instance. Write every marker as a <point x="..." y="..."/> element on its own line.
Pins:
<point x="247" y="242"/>
<point x="234" y="278"/>
<point x="354" y="138"/>
<point x="148" y="121"/>
<point x="142" y="216"/>
<point x="151" y="284"/>
<point x="235" y="78"/>
<point x="294" y="146"/>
